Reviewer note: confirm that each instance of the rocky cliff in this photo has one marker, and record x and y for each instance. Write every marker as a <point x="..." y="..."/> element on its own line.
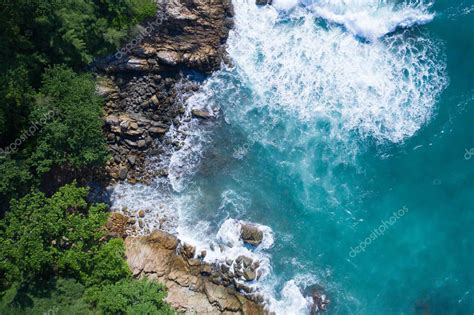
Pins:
<point x="191" y="283"/>
<point x="145" y="82"/>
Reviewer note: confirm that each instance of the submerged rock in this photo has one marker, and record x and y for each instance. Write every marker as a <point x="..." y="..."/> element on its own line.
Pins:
<point x="320" y="300"/>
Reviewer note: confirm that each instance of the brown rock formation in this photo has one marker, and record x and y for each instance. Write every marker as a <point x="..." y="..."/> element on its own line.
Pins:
<point x="192" y="34"/>
<point x="251" y="234"/>
<point x="190" y="289"/>
<point x="143" y="85"/>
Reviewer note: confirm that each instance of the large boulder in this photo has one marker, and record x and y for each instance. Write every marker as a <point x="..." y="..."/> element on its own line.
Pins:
<point x="251" y="234"/>
<point x="165" y="240"/>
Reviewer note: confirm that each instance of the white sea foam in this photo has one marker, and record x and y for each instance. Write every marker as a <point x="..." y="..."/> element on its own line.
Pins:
<point x="385" y="89"/>
<point x="285" y="4"/>
<point x="193" y="135"/>
<point x="292" y="301"/>
<point x="371" y="19"/>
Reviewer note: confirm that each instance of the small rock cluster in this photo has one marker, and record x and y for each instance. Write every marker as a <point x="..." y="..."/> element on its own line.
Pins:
<point x="139" y="112"/>
<point x="129" y="137"/>
<point x="320" y="300"/>
<point x="238" y="274"/>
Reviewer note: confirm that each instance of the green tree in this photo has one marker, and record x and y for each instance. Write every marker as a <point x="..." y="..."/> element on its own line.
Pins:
<point x="129" y="297"/>
<point x="73" y="134"/>
<point x="41" y="236"/>
<point x="66" y="134"/>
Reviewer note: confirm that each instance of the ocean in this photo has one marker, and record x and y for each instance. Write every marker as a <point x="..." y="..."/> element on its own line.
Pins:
<point x="345" y="129"/>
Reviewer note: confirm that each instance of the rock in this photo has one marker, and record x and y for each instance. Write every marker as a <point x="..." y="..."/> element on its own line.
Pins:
<point x="242" y="287"/>
<point x="112" y="120"/>
<point x="245" y="260"/>
<point x="200" y="114"/>
<point x="132" y="159"/>
<point x="263" y="2"/>
<point x="141" y="144"/>
<point x="188" y="250"/>
<point x="134" y="133"/>
<point x="225" y="268"/>
<point x="124" y="123"/>
<point x="320" y="300"/>
<point x="249" y="274"/>
<point x="206" y="270"/>
<point x="238" y="273"/>
<point x="117" y="224"/>
<point x="251" y="234"/>
<point x="135" y="64"/>
<point x="131" y="143"/>
<point x="141" y="213"/>
<point x="220" y="296"/>
<point x="255" y="264"/>
<point x="187" y="280"/>
<point x="163" y="173"/>
<point x="154" y="100"/>
<point x="170" y="58"/>
<point x="123" y="173"/>
<point x="157" y="130"/>
<point x="166" y="240"/>
<point x="202" y="255"/>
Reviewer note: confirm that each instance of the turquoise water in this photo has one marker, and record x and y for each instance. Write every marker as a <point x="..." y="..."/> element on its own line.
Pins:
<point x="327" y="127"/>
<point x="322" y="195"/>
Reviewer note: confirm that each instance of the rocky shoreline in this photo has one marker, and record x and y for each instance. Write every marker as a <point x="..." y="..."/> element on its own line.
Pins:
<point x="194" y="286"/>
<point x="145" y="91"/>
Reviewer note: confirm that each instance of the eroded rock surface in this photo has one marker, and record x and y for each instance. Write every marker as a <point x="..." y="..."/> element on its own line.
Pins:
<point x="191" y="283"/>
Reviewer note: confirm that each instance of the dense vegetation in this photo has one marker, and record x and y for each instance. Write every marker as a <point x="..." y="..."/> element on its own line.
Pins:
<point x="54" y="253"/>
<point x="44" y="45"/>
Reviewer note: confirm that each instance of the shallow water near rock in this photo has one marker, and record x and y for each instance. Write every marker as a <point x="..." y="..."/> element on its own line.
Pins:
<point x="350" y="146"/>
